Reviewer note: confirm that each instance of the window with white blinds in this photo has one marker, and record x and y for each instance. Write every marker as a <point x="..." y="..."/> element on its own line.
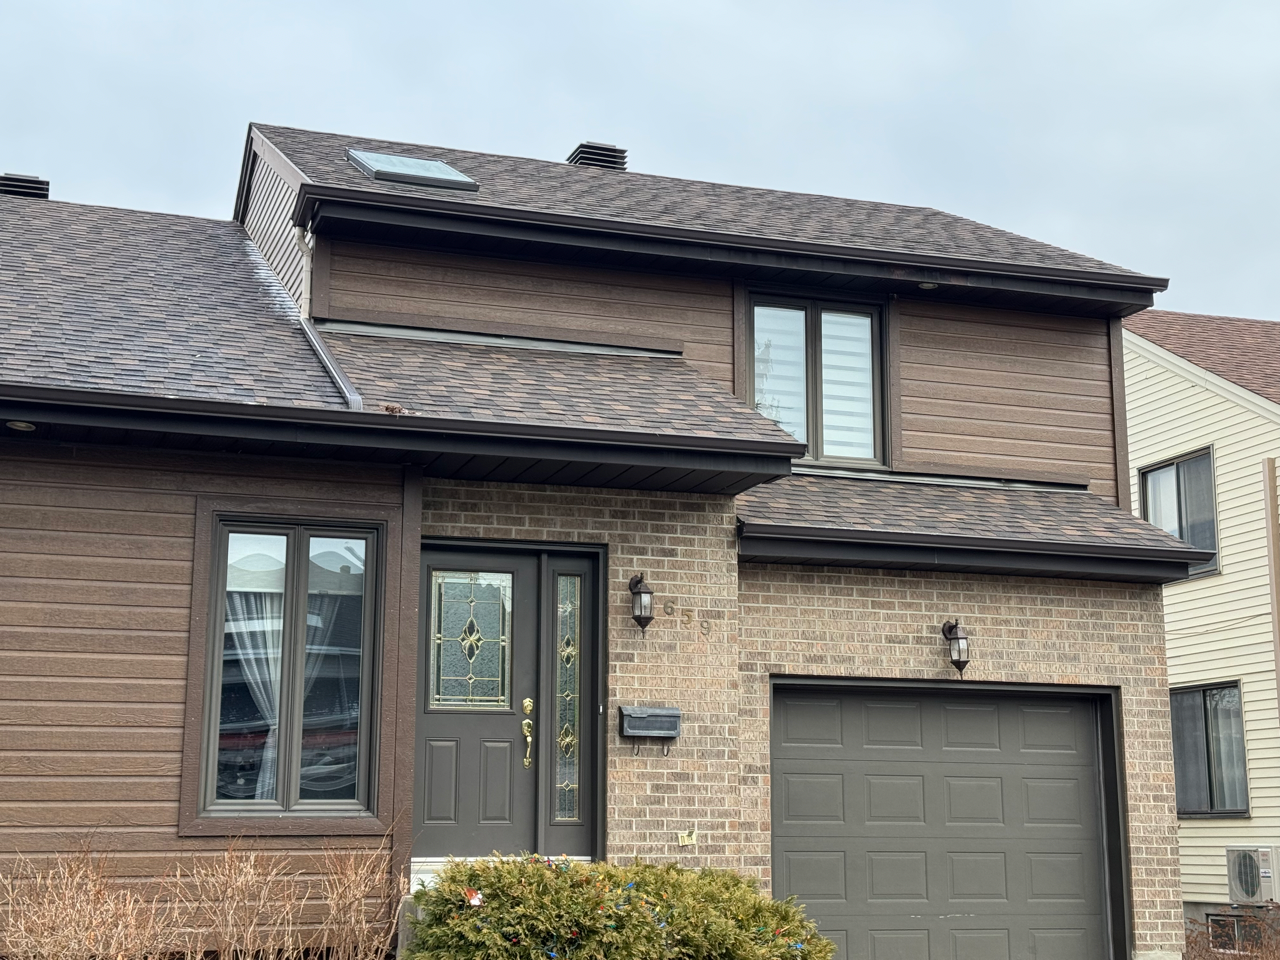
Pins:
<point x="817" y="376"/>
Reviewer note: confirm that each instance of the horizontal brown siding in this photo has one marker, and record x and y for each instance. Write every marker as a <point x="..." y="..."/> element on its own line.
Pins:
<point x="996" y="393"/>
<point x="420" y="288"/>
<point x="96" y="551"/>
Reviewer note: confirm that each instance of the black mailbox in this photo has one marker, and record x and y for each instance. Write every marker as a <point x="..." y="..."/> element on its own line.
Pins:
<point x="662" y="723"/>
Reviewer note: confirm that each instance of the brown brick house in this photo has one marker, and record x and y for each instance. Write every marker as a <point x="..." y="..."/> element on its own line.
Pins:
<point x="324" y="522"/>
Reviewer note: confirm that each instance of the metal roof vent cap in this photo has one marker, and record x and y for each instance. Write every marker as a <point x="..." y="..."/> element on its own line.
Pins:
<point x="603" y="155"/>
<point x="24" y="185"/>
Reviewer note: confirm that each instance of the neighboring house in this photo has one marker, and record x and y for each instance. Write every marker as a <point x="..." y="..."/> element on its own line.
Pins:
<point x="1204" y="432"/>
<point x="336" y="519"/>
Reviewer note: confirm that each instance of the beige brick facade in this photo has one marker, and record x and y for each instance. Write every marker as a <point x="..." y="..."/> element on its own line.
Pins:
<point x="747" y="623"/>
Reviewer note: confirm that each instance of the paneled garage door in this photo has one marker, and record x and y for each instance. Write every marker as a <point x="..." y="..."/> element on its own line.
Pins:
<point x="941" y="827"/>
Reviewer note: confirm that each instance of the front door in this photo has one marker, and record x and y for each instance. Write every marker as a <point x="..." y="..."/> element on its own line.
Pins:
<point x="507" y="711"/>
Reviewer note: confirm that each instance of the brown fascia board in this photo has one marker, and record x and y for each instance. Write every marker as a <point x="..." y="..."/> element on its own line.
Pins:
<point x="406" y="424"/>
<point x="794" y="533"/>
<point x="904" y="266"/>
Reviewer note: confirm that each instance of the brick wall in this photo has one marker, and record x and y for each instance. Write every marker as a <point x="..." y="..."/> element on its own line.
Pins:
<point x="879" y="623"/>
<point x="767" y="620"/>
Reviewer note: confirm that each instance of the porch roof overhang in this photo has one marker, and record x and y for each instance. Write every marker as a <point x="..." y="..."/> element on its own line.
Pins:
<point x="464" y="449"/>
<point x="994" y="529"/>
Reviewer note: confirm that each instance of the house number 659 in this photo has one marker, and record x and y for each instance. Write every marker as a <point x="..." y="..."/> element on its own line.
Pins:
<point x="686" y="618"/>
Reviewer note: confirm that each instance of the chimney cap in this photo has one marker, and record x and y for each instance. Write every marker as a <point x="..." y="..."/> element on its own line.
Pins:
<point x="603" y="155"/>
<point x="24" y="185"/>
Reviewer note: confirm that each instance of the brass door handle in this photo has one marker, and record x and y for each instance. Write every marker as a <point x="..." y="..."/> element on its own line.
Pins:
<point x="527" y="727"/>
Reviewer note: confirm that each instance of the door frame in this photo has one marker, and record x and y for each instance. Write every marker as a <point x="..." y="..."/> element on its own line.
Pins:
<point x="1114" y="800"/>
<point x="599" y="557"/>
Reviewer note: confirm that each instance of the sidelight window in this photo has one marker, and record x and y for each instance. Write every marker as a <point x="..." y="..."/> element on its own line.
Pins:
<point x="817" y="375"/>
<point x="291" y="674"/>
<point x="1178" y="497"/>
<point x="1209" y="751"/>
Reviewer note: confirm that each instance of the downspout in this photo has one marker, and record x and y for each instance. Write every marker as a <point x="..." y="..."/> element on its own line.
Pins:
<point x="1272" y="515"/>
<point x="304" y="240"/>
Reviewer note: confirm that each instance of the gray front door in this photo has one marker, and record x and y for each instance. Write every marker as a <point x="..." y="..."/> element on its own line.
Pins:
<point x="941" y="827"/>
<point x="506" y="732"/>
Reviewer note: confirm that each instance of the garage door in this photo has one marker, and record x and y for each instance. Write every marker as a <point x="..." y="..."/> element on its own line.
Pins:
<point x="934" y="827"/>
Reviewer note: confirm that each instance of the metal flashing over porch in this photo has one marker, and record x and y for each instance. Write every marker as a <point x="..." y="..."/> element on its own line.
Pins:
<point x="1023" y="530"/>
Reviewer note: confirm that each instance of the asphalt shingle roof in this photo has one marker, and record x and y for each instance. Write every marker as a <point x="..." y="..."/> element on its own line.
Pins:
<point x="1246" y="352"/>
<point x="541" y="186"/>
<point x="881" y="509"/>
<point x="98" y="298"/>
<point x="493" y="383"/>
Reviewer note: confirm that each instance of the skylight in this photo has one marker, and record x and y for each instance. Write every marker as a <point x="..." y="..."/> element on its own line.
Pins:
<point x="431" y="173"/>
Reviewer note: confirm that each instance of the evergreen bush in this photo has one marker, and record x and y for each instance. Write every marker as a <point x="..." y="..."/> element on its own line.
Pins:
<point x="532" y="907"/>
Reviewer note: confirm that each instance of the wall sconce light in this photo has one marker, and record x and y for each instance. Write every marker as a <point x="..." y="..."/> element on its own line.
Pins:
<point x="641" y="601"/>
<point x="954" y="634"/>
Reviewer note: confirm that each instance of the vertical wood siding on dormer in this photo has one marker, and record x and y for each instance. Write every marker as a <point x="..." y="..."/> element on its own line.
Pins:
<point x="267" y="221"/>
<point x="1005" y="394"/>
<point x="559" y="302"/>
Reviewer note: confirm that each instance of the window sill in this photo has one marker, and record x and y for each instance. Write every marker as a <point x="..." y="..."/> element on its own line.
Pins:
<point x="1225" y="815"/>
<point x="305" y="824"/>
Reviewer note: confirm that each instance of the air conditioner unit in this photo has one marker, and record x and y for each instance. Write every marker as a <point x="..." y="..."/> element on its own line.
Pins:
<point x="1249" y="878"/>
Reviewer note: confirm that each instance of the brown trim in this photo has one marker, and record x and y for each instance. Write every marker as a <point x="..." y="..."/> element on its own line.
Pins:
<point x="499" y="328"/>
<point x="743" y="379"/>
<point x="321" y="273"/>
<point x="1120" y="429"/>
<point x="1270" y="491"/>
<point x="402" y="720"/>
<point x="191" y="822"/>
<point x="892" y="360"/>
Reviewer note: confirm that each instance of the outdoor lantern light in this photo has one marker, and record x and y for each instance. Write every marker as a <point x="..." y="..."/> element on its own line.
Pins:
<point x="954" y="634"/>
<point x="641" y="601"/>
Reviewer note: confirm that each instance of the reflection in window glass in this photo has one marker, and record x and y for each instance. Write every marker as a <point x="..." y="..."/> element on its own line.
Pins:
<point x="1226" y="748"/>
<point x="471" y="640"/>
<point x="1179" y="500"/>
<point x="252" y="646"/>
<point x="1162" y="500"/>
<point x="848" y="415"/>
<point x="780" y="367"/>
<point x="331" y="669"/>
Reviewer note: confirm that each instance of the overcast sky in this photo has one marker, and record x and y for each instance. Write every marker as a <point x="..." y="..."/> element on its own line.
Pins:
<point x="1140" y="132"/>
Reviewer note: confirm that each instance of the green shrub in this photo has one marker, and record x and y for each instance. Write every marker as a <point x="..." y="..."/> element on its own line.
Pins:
<point x="567" y="910"/>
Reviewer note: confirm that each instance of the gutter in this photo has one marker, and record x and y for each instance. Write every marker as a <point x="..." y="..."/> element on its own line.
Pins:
<point x="310" y="194"/>
<point x="407" y="425"/>
<point x="774" y="531"/>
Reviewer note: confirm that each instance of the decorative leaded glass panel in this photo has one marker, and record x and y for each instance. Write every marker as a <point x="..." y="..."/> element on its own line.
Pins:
<point x="568" y="695"/>
<point x="471" y="640"/>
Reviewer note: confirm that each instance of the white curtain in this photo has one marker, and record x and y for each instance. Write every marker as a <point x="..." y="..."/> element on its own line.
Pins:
<point x="254" y="626"/>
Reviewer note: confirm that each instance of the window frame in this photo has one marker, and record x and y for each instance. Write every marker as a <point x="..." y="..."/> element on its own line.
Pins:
<point x="395" y="611"/>
<point x="1214" y="566"/>
<point x="1243" y="813"/>
<point x="814" y="308"/>
<point x="289" y="801"/>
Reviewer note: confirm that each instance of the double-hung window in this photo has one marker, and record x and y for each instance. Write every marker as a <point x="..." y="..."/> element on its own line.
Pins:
<point x="817" y="374"/>
<point x="1208" y="751"/>
<point x="1178" y="497"/>
<point x="288" y="726"/>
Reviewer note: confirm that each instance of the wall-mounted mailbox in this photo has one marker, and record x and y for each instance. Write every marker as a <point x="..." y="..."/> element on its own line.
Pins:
<point x="661" y="723"/>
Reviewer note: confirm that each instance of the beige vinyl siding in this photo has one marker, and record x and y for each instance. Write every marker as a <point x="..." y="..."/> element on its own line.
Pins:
<point x="267" y="221"/>
<point x="96" y="562"/>
<point x="561" y="302"/>
<point x="1220" y="626"/>
<point x="1006" y="394"/>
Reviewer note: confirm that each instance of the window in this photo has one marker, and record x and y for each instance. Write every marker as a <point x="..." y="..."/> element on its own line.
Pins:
<point x="1235" y="934"/>
<point x="291" y="670"/>
<point x="1178" y="498"/>
<point x="817" y="375"/>
<point x="1208" y="752"/>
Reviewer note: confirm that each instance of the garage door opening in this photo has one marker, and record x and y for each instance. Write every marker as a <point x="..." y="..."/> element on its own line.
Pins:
<point x="948" y="824"/>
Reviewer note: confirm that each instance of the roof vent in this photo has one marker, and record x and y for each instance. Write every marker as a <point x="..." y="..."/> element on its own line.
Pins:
<point x="604" y="155"/>
<point x="22" y="185"/>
